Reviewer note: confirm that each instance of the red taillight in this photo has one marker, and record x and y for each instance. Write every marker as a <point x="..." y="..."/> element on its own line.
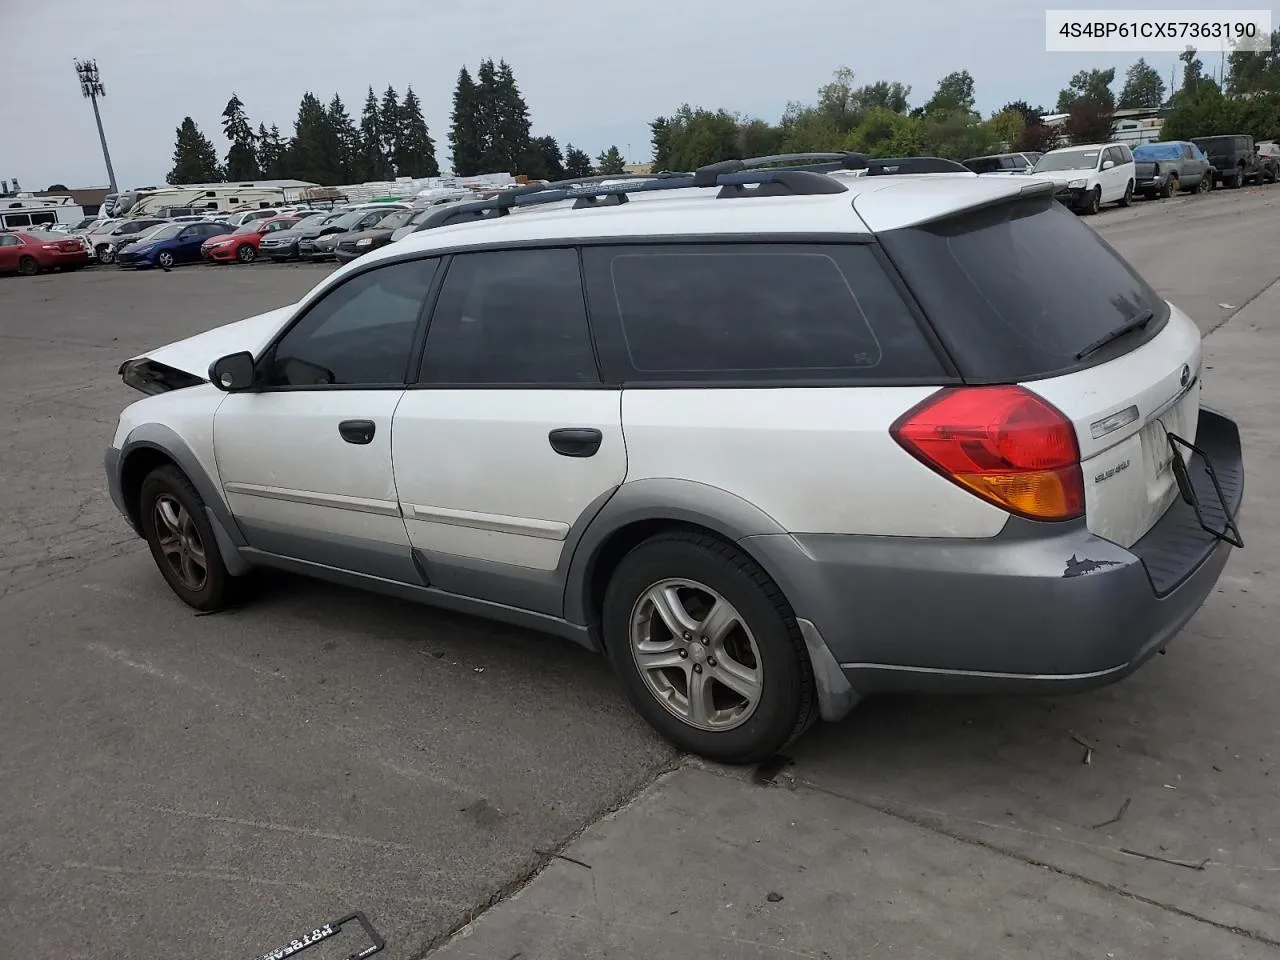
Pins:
<point x="1003" y="443"/>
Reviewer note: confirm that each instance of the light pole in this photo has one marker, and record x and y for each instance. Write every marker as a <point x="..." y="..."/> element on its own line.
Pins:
<point x="91" y="87"/>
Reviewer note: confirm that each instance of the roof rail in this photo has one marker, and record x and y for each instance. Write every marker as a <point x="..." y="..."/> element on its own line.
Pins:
<point x="885" y="166"/>
<point x="786" y="174"/>
<point x="598" y="191"/>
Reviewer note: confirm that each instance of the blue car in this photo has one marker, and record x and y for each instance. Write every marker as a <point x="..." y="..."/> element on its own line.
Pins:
<point x="170" y="245"/>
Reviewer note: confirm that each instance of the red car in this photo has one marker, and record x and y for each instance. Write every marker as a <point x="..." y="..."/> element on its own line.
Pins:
<point x="29" y="253"/>
<point x="242" y="243"/>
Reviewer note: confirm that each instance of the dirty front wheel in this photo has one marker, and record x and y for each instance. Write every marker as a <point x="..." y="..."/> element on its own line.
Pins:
<point x="708" y="649"/>
<point x="182" y="541"/>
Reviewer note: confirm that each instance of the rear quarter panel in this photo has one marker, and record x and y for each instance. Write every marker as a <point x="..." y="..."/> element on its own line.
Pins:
<point x="815" y="459"/>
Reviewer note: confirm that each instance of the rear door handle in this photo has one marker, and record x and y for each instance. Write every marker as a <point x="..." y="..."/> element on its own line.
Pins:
<point x="575" y="441"/>
<point x="357" y="431"/>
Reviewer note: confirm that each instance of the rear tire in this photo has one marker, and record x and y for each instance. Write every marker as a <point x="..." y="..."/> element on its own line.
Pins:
<point x="1127" y="199"/>
<point x="28" y="266"/>
<point x="689" y="575"/>
<point x="182" y="541"/>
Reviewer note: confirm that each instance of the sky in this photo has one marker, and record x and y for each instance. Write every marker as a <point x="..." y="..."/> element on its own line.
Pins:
<point x="594" y="72"/>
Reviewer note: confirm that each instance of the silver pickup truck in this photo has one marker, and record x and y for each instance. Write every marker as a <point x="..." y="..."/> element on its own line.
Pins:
<point x="1168" y="167"/>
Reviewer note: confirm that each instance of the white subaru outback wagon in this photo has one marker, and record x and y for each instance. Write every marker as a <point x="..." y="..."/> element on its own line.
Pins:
<point x="772" y="436"/>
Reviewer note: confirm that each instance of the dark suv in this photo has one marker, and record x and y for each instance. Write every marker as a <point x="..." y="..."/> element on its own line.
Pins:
<point x="1235" y="160"/>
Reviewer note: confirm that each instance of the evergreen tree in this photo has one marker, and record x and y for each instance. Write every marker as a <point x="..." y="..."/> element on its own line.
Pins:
<point x="546" y="161"/>
<point x="374" y="164"/>
<point x="242" y="157"/>
<point x="415" y="150"/>
<point x="512" y="143"/>
<point x="389" y="114"/>
<point x="487" y="116"/>
<point x="346" y="140"/>
<point x="612" y="161"/>
<point x="1143" y="86"/>
<point x="465" y="136"/>
<point x="576" y="162"/>
<point x="194" y="158"/>
<point x="272" y="153"/>
<point x="313" y="152"/>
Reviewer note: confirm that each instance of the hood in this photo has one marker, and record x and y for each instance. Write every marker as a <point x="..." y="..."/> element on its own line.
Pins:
<point x="356" y="235"/>
<point x="1063" y="177"/>
<point x="194" y="354"/>
<point x="220" y="238"/>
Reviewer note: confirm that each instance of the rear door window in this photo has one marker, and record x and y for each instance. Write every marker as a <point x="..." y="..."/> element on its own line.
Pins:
<point x="751" y="313"/>
<point x="1016" y="291"/>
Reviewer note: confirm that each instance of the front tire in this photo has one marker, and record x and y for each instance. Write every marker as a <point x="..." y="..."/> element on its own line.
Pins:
<point x="1239" y="180"/>
<point x="708" y="649"/>
<point x="246" y="253"/>
<point x="106" y="253"/>
<point x="182" y="541"/>
<point x="1094" y="203"/>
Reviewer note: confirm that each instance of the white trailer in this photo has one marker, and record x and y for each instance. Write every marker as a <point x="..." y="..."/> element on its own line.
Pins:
<point x="28" y="213"/>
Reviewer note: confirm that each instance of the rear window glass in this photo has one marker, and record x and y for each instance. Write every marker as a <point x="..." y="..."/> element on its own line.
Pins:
<point x="751" y="312"/>
<point x="1016" y="291"/>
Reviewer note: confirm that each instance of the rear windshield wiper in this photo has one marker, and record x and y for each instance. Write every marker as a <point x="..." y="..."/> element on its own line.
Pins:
<point x="1136" y="322"/>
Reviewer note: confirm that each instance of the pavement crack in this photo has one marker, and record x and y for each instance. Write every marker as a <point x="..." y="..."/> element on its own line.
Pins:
<point x="545" y="858"/>
<point x="924" y="824"/>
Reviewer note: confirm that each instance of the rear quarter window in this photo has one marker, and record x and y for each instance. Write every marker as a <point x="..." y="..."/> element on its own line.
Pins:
<point x="751" y="313"/>
<point x="1017" y="290"/>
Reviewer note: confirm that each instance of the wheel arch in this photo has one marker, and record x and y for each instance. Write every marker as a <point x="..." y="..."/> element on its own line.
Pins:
<point x="151" y="445"/>
<point x="642" y="508"/>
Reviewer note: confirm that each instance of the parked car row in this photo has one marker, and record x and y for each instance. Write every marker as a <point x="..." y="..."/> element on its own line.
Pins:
<point x="1090" y="175"/>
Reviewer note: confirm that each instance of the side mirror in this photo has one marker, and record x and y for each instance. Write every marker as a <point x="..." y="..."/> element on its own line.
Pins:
<point x="232" y="373"/>
<point x="1108" y="164"/>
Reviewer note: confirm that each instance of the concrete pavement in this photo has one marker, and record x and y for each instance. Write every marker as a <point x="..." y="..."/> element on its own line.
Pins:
<point x="173" y="784"/>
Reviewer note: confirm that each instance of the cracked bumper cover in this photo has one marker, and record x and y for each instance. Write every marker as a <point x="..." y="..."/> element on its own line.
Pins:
<point x="1040" y="608"/>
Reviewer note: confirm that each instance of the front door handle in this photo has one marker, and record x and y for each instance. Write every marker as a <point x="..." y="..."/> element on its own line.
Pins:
<point x="575" y="441"/>
<point x="357" y="431"/>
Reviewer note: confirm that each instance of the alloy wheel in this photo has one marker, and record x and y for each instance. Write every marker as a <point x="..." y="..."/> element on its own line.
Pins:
<point x="696" y="654"/>
<point x="180" y="543"/>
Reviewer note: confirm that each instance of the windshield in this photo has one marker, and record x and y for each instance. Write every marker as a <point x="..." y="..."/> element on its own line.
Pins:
<point x="167" y="232"/>
<point x="344" y="220"/>
<point x="393" y="220"/>
<point x="250" y="227"/>
<point x="1157" y="151"/>
<point x="1068" y="160"/>
<point x="314" y="220"/>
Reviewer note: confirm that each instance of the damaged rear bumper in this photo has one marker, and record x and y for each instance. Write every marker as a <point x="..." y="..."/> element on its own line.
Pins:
<point x="1040" y="608"/>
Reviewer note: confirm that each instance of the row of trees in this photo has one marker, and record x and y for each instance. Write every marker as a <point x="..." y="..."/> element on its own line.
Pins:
<point x="490" y="132"/>
<point x="878" y="119"/>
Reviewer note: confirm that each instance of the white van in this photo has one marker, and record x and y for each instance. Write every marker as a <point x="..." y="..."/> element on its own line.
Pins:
<point x="1087" y="176"/>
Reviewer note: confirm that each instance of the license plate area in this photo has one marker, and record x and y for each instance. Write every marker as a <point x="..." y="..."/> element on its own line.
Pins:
<point x="1178" y="418"/>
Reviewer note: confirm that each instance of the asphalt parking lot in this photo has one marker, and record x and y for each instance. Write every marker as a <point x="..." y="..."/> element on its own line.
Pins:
<point x="211" y="786"/>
